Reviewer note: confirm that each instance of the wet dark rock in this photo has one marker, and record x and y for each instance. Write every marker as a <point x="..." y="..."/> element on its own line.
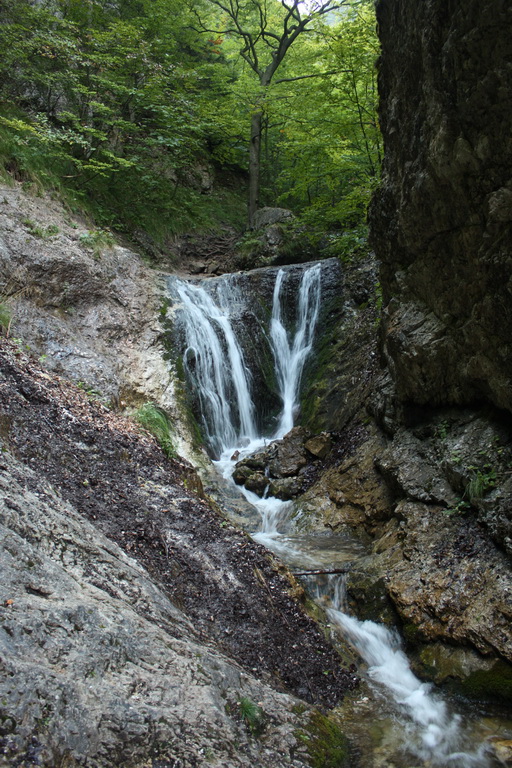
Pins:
<point x="256" y="482"/>
<point x="286" y="489"/>
<point x="413" y="473"/>
<point x="279" y="468"/>
<point x="339" y="379"/>
<point x="289" y="457"/>
<point x="319" y="445"/>
<point x="442" y="215"/>
<point x="464" y="671"/>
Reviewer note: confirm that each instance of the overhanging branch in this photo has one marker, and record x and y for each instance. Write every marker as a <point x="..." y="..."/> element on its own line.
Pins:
<point x="305" y="77"/>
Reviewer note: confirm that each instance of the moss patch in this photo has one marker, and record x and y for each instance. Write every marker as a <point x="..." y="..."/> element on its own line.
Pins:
<point x="492" y="684"/>
<point x="326" y="744"/>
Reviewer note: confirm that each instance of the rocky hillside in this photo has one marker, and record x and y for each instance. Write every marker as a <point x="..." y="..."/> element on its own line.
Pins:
<point x="135" y="621"/>
<point x="120" y="579"/>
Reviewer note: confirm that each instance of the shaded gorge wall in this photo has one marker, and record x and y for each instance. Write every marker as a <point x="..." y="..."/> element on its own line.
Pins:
<point x="441" y="222"/>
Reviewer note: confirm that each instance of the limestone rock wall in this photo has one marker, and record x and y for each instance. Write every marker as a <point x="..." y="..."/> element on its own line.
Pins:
<point x="441" y="222"/>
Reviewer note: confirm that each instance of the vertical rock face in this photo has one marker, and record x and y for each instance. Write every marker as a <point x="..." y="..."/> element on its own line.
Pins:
<point x="442" y="220"/>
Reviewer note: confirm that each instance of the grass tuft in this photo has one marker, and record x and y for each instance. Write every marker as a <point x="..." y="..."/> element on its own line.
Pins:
<point x="5" y="318"/>
<point x="252" y="715"/>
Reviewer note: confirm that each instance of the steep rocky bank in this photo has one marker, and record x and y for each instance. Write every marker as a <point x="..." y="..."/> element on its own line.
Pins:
<point x="90" y="307"/>
<point x="134" y="618"/>
<point x="432" y="484"/>
<point x="440" y="226"/>
<point x="419" y="449"/>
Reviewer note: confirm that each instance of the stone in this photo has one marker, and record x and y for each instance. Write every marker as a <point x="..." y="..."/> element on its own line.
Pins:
<point x="448" y="580"/>
<point x="95" y="320"/>
<point x="268" y="467"/>
<point x="289" y="456"/>
<point x="410" y="472"/>
<point x="266" y="217"/>
<point x="285" y="489"/>
<point x="99" y="665"/>
<point x="502" y="749"/>
<point x="257" y="483"/>
<point x="319" y="445"/>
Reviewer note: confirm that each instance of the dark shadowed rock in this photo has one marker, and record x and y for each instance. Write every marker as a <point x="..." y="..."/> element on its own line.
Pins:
<point x="442" y="218"/>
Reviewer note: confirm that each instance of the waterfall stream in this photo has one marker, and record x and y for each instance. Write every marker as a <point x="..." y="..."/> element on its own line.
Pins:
<point x="215" y="363"/>
<point x="216" y="366"/>
<point x="291" y="350"/>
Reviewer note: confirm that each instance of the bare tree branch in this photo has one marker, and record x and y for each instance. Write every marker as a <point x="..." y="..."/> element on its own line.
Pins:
<point x="305" y="77"/>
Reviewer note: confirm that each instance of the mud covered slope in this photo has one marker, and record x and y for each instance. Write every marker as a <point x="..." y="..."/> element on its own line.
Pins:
<point x="98" y="662"/>
<point x="441" y="222"/>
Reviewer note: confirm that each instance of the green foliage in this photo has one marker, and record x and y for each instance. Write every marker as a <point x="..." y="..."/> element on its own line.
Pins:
<point x="327" y="144"/>
<point x="5" y="317"/>
<point x="441" y="431"/>
<point x="155" y="420"/>
<point x="326" y="743"/>
<point x="482" y="480"/>
<point x="97" y="240"/>
<point x="460" y="508"/>
<point x="109" y="108"/>
<point x="125" y="110"/>
<point x="252" y="715"/>
<point x="38" y="231"/>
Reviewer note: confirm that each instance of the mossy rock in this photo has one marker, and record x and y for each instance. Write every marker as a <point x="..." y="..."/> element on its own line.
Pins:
<point x="326" y="744"/>
<point x="368" y="598"/>
<point x="493" y="684"/>
<point x="464" y="671"/>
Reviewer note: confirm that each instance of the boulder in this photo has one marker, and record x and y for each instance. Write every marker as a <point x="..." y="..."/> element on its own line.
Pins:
<point x="319" y="446"/>
<point x="267" y="217"/>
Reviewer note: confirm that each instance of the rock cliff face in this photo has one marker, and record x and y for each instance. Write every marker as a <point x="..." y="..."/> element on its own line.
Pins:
<point x="442" y="220"/>
<point x="90" y="308"/>
<point x="441" y="225"/>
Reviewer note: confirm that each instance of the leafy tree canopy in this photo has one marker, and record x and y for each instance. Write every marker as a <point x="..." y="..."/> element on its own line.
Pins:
<point x="130" y="107"/>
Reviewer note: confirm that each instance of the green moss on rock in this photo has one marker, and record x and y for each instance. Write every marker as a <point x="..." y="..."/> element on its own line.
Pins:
<point x="326" y="744"/>
<point x="491" y="684"/>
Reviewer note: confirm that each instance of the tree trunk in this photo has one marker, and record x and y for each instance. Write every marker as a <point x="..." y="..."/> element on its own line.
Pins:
<point x="254" y="164"/>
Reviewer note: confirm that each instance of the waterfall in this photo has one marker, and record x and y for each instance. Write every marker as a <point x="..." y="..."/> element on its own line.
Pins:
<point x="214" y="362"/>
<point x="292" y="349"/>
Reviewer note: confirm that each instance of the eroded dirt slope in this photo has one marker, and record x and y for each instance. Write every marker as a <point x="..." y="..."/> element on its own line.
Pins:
<point x="235" y="593"/>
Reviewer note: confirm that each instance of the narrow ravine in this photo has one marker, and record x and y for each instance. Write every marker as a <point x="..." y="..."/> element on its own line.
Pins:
<point x="426" y="729"/>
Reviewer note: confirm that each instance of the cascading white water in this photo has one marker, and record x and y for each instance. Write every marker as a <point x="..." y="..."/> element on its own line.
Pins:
<point x="432" y="733"/>
<point x="215" y="363"/>
<point x="291" y="350"/>
<point x="214" y="359"/>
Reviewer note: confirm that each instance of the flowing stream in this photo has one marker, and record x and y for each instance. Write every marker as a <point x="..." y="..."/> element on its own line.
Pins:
<point x="425" y="729"/>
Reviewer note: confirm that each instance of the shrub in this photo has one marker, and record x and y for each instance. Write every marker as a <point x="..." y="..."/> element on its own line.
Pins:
<point x="252" y="715"/>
